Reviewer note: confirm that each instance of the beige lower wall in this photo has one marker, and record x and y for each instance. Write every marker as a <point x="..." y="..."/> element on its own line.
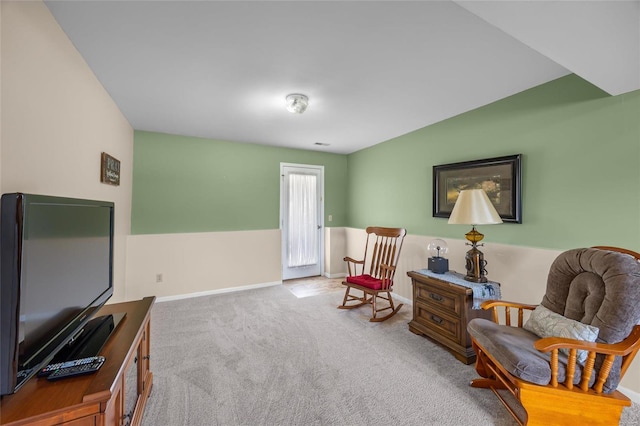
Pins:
<point x="201" y="262"/>
<point x="197" y="262"/>
<point x="335" y="241"/>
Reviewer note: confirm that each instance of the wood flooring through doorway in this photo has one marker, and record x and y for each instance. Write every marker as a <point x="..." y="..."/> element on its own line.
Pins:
<point x="313" y="286"/>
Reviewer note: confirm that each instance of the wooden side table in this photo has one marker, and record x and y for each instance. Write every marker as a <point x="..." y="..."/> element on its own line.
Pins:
<point x="442" y="309"/>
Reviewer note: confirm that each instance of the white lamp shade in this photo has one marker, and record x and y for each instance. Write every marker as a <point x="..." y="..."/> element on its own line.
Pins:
<point x="473" y="207"/>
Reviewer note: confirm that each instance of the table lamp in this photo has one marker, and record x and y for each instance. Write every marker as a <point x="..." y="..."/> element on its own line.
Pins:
<point x="473" y="207"/>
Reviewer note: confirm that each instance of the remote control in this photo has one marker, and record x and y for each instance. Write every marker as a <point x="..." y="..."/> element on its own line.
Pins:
<point x="57" y="366"/>
<point x="77" y="370"/>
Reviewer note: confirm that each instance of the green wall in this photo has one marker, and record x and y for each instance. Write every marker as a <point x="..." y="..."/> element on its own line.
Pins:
<point x="581" y="174"/>
<point x="187" y="184"/>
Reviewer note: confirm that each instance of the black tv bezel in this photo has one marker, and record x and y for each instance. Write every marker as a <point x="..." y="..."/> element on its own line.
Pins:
<point x="13" y="210"/>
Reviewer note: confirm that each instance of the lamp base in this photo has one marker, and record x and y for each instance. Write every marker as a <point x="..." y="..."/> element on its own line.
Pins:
<point x="475" y="266"/>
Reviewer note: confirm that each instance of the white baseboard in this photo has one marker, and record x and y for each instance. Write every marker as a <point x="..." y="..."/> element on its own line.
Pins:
<point x="327" y="275"/>
<point x="219" y="291"/>
<point x="632" y="395"/>
<point x="402" y="299"/>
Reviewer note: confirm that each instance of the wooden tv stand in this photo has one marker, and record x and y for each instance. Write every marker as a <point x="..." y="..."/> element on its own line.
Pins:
<point x="113" y="396"/>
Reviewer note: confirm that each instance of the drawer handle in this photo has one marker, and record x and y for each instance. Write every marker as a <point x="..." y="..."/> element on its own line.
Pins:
<point x="437" y="319"/>
<point x="436" y="297"/>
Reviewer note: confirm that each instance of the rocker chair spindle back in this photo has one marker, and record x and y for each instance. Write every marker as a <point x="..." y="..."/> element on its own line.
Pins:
<point x="384" y="253"/>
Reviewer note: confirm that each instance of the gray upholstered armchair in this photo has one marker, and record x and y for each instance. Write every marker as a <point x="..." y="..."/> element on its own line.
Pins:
<point x="565" y="362"/>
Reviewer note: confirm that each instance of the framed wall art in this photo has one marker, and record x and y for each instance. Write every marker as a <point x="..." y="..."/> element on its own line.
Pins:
<point x="109" y="169"/>
<point x="500" y="177"/>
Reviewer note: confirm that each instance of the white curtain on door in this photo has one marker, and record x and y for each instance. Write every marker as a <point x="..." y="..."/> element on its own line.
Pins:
<point x="303" y="221"/>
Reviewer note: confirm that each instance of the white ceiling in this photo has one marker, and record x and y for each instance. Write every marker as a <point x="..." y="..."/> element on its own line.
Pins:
<point x="373" y="70"/>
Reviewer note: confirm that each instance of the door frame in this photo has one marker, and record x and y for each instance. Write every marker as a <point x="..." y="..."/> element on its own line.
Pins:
<point x="283" y="197"/>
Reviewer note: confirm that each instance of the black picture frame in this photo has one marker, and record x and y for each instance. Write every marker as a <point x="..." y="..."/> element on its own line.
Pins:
<point x="500" y="177"/>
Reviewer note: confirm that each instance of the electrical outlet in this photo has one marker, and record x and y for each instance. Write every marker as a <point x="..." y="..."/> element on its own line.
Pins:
<point x="159" y="278"/>
<point x="330" y="218"/>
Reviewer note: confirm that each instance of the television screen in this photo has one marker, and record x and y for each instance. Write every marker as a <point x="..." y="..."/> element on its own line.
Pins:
<point x="56" y="272"/>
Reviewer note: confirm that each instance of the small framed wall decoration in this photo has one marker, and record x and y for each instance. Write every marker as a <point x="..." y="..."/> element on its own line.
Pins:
<point x="109" y="170"/>
<point x="500" y="177"/>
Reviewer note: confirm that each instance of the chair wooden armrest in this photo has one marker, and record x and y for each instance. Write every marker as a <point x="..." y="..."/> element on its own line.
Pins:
<point x="508" y="307"/>
<point x="624" y="349"/>
<point x="350" y="261"/>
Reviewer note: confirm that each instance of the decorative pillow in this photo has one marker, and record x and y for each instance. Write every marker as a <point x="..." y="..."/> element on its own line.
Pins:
<point x="546" y="323"/>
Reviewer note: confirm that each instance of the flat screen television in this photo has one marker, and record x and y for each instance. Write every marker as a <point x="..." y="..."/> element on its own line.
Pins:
<point x="56" y="271"/>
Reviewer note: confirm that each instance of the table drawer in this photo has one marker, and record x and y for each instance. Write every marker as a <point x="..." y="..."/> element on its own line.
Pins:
<point x="444" y="325"/>
<point x="444" y="300"/>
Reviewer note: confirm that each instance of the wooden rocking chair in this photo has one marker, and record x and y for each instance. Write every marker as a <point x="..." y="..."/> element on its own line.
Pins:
<point x="378" y="283"/>
<point x="593" y="296"/>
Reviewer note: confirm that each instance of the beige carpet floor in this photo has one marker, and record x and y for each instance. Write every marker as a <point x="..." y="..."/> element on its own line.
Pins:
<point x="266" y="357"/>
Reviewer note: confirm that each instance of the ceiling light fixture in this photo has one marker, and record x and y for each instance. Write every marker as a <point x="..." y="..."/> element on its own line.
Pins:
<point x="297" y="103"/>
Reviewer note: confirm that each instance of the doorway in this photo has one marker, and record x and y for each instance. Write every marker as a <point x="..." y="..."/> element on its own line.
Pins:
<point x="301" y="220"/>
